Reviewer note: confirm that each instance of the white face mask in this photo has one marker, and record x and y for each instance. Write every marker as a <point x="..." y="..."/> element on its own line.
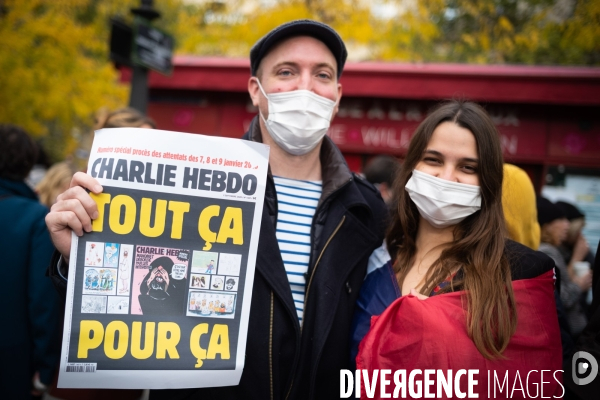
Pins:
<point x="298" y="120"/>
<point x="442" y="203"/>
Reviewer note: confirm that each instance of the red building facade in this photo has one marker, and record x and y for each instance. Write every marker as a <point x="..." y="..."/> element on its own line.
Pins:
<point x="548" y="117"/>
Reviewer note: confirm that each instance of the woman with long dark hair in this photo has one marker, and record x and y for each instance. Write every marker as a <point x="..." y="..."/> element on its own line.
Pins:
<point x="474" y="298"/>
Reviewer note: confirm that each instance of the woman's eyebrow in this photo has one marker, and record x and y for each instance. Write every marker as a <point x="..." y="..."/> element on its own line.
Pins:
<point x="433" y="152"/>
<point x="438" y="154"/>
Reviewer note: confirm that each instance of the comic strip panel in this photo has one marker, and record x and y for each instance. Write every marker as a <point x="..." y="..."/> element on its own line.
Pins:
<point x="124" y="271"/>
<point x="200" y="281"/>
<point x="211" y="304"/>
<point x="117" y="305"/>
<point x="94" y="254"/>
<point x="217" y="282"/>
<point x="99" y="281"/>
<point x="229" y="264"/>
<point x="204" y="262"/>
<point x="93" y="304"/>
<point x="160" y="281"/>
<point x="231" y="283"/>
<point x="111" y="255"/>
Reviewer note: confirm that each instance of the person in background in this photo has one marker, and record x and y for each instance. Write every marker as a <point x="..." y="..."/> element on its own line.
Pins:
<point x="520" y="215"/>
<point x="42" y="163"/>
<point x="381" y="172"/>
<point x="56" y="181"/>
<point x="29" y="338"/>
<point x="120" y="118"/>
<point x="123" y="117"/>
<point x="589" y="341"/>
<point x="575" y="242"/>
<point x="518" y="204"/>
<point x="554" y="228"/>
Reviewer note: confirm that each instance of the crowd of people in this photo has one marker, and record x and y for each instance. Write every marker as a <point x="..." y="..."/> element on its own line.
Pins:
<point x="441" y="249"/>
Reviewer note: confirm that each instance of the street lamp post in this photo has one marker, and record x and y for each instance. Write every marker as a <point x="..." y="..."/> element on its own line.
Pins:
<point x="138" y="97"/>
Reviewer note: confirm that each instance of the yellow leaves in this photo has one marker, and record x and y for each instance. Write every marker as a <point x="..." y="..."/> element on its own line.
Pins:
<point x="233" y="29"/>
<point x="478" y="31"/>
<point x="54" y="70"/>
<point x="469" y="39"/>
<point x="504" y="24"/>
<point x="584" y="29"/>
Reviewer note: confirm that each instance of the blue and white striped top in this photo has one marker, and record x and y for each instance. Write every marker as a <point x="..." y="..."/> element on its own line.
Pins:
<point x="297" y="202"/>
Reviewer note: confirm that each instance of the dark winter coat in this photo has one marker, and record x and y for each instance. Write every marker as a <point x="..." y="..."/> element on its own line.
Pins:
<point x="283" y="359"/>
<point x="29" y="338"/>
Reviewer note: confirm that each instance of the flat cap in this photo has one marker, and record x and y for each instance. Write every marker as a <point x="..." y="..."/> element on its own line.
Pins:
<point x="301" y="27"/>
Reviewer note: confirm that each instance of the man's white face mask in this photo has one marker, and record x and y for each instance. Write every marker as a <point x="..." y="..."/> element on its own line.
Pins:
<point x="442" y="203"/>
<point x="297" y="120"/>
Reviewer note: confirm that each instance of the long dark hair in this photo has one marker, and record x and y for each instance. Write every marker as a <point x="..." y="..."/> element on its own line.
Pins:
<point x="477" y="249"/>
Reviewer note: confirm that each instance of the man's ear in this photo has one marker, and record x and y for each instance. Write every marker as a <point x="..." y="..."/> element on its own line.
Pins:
<point x="253" y="90"/>
<point x="337" y="106"/>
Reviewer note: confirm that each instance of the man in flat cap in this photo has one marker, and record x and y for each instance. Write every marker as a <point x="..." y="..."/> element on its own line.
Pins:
<point x="320" y="224"/>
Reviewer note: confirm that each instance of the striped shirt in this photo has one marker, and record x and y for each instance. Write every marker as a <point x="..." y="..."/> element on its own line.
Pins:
<point x="297" y="201"/>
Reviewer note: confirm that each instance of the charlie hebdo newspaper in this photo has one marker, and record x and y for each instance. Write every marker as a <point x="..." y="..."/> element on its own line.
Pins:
<point x="159" y="292"/>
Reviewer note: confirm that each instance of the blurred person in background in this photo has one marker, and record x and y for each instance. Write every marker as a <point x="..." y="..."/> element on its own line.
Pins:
<point x="589" y="341"/>
<point x="575" y="245"/>
<point x="29" y="338"/>
<point x="520" y="215"/>
<point x="42" y="163"/>
<point x="123" y="117"/>
<point x="381" y="172"/>
<point x="554" y="229"/>
<point x="56" y="181"/>
<point x="518" y="204"/>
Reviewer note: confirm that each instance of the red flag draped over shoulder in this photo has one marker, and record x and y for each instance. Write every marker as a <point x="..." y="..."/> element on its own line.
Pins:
<point x="432" y="334"/>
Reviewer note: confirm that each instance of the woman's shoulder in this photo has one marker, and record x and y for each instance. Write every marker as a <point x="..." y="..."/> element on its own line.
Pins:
<point x="526" y="263"/>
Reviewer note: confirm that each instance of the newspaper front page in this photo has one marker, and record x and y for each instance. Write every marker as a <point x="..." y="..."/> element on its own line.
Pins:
<point x="159" y="292"/>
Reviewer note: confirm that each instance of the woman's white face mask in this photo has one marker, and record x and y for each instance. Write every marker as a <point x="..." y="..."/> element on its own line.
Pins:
<point x="297" y="120"/>
<point x="440" y="202"/>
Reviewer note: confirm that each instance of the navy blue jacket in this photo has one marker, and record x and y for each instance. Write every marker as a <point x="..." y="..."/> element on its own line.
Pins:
<point x="29" y="338"/>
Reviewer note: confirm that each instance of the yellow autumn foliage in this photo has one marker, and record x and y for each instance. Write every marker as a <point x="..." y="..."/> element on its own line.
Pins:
<point x="55" y="73"/>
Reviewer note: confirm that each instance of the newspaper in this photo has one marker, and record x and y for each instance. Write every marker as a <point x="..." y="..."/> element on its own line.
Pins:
<point x="159" y="292"/>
